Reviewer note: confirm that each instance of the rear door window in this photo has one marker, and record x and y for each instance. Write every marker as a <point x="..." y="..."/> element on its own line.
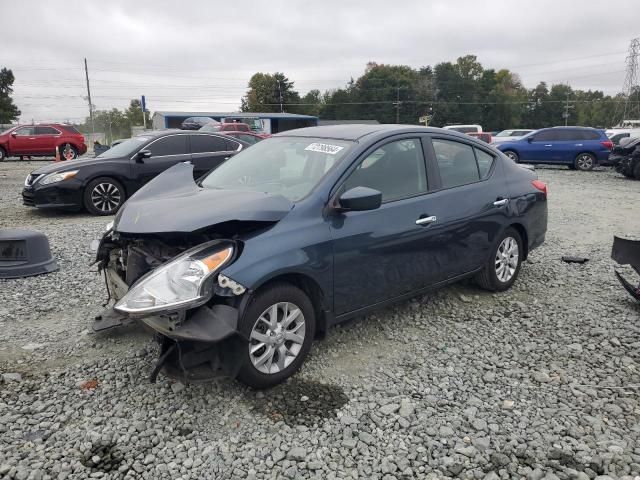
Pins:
<point x="456" y="163"/>
<point x="207" y="143"/>
<point x="172" y="145"/>
<point x="589" y="135"/>
<point x="46" y="131"/>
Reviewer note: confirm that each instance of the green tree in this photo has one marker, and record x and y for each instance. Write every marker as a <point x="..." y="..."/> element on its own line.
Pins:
<point x="268" y="91"/>
<point x="134" y="113"/>
<point x="8" y="111"/>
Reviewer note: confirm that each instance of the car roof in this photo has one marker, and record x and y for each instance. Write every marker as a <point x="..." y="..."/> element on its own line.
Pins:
<point x="567" y="127"/>
<point x="355" y="132"/>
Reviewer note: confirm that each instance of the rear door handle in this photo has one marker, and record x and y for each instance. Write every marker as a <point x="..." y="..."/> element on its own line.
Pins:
<point x="501" y="202"/>
<point x="426" y="220"/>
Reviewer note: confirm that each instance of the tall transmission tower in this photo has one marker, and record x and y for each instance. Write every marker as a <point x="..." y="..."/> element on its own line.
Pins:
<point x="631" y="89"/>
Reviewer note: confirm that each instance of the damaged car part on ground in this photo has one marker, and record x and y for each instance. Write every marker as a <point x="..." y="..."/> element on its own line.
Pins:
<point x="627" y="252"/>
<point x="238" y="272"/>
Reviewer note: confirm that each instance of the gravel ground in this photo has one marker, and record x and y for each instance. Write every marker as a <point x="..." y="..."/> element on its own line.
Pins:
<point x="538" y="382"/>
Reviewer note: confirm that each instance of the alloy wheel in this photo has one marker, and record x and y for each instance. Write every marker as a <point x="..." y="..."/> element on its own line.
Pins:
<point x="506" y="261"/>
<point x="585" y="162"/>
<point x="68" y="153"/>
<point x="106" y="197"/>
<point x="277" y="337"/>
<point x="512" y="155"/>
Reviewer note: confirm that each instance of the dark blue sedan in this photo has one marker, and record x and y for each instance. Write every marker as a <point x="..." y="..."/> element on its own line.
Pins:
<point x="579" y="148"/>
<point x="240" y="271"/>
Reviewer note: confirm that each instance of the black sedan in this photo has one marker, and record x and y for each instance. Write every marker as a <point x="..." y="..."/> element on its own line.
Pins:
<point x="102" y="184"/>
<point x="307" y="229"/>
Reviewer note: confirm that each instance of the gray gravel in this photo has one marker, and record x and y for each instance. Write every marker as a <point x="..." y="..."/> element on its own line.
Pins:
<point x="540" y="382"/>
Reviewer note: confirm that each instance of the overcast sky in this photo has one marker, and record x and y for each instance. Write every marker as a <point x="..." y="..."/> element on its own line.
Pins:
<point x="199" y="55"/>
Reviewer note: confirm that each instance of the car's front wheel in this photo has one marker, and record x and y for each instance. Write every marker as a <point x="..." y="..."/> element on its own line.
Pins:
<point x="585" y="162"/>
<point x="3" y="154"/>
<point x="512" y="155"/>
<point x="502" y="268"/>
<point x="104" y="196"/>
<point x="279" y="325"/>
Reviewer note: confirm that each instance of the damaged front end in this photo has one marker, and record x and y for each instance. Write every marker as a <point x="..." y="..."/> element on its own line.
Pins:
<point x="627" y="252"/>
<point x="173" y="286"/>
<point x="162" y="260"/>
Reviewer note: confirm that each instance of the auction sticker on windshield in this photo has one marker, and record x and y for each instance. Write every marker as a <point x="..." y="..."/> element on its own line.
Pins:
<point x="324" y="148"/>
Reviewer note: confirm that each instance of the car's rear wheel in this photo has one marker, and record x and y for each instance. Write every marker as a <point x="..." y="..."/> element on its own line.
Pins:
<point x="501" y="270"/>
<point x="636" y="170"/>
<point x="585" y="162"/>
<point x="68" y="152"/>
<point x="104" y="196"/>
<point x="279" y="325"/>
<point x="3" y="154"/>
<point x="512" y="155"/>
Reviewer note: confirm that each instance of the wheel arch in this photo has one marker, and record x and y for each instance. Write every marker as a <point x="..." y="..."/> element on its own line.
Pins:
<point x="311" y="288"/>
<point x="522" y="231"/>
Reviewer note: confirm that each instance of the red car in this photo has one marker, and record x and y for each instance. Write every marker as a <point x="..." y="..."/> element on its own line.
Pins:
<point x="41" y="141"/>
<point x="249" y="137"/>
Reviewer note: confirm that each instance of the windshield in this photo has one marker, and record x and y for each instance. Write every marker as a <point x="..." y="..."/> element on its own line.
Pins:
<point x="211" y="127"/>
<point x="287" y="166"/>
<point x="128" y="147"/>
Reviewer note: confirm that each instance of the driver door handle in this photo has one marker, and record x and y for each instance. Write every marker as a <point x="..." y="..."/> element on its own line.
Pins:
<point x="549" y="145"/>
<point x="426" y="220"/>
<point x="501" y="202"/>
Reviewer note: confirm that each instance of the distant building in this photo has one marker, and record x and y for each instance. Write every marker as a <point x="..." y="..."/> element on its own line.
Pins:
<point x="347" y="122"/>
<point x="259" y="122"/>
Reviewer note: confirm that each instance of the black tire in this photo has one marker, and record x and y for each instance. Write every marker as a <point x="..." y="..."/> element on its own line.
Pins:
<point x="636" y="170"/>
<point x="109" y="202"/>
<point x="263" y="300"/>
<point x="512" y="155"/>
<point x="3" y="154"/>
<point x="68" y="152"/>
<point x="584" y="162"/>
<point x="488" y="277"/>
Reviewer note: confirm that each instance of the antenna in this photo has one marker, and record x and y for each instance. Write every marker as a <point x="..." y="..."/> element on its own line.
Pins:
<point x="630" y="89"/>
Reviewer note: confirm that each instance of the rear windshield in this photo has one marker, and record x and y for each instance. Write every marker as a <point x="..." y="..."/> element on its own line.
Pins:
<point x="464" y="129"/>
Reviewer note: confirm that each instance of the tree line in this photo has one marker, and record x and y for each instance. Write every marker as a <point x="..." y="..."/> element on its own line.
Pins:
<point x="448" y="93"/>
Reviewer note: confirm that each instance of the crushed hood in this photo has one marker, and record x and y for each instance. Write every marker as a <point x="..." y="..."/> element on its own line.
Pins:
<point x="173" y="203"/>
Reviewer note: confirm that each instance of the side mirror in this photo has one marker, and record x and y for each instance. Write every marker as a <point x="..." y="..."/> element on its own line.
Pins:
<point x="14" y="134"/>
<point x="359" y="199"/>
<point x="530" y="139"/>
<point x="142" y="154"/>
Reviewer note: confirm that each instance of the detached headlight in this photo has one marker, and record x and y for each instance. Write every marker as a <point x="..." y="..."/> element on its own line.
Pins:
<point x="180" y="283"/>
<point x="58" y="177"/>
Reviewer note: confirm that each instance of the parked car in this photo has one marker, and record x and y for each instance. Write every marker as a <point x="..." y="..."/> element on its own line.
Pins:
<point x="508" y="135"/>
<point x="307" y="229"/>
<point x="577" y="147"/>
<point x="196" y="123"/>
<point x="464" y="128"/>
<point x="102" y="184"/>
<point x="226" y="127"/>
<point x="248" y="137"/>
<point x="41" y="141"/>
<point x="484" y="136"/>
<point x="617" y="134"/>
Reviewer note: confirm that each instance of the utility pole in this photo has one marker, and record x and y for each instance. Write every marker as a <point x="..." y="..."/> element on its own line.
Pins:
<point x="397" y="104"/>
<point x="566" y="111"/>
<point x="280" y="92"/>
<point x="631" y="87"/>
<point x="86" y="73"/>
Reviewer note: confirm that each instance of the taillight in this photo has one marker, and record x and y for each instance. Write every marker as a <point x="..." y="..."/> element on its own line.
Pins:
<point x="540" y="186"/>
<point x="608" y="144"/>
